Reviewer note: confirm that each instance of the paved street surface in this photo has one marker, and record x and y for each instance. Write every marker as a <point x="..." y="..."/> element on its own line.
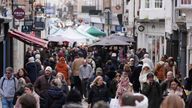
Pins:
<point x="85" y="105"/>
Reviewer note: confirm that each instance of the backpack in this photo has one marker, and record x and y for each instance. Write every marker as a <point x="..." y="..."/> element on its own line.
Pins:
<point x="4" y="80"/>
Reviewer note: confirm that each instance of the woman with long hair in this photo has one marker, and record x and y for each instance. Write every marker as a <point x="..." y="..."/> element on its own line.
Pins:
<point x="124" y="85"/>
<point x="64" y="86"/>
<point x="175" y="88"/>
<point x="22" y="73"/>
<point x="98" y="91"/>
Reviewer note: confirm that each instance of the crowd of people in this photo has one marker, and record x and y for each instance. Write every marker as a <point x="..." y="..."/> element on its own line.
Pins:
<point x="67" y="77"/>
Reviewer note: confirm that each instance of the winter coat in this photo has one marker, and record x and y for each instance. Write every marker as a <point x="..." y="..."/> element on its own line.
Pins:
<point x="160" y="71"/>
<point x="143" y="75"/>
<point x="113" y="88"/>
<point x="53" y="98"/>
<point x="189" y="101"/>
<point x="148" y="61"/>
<point x="135" y="74"/>
<point x="98" y="93"/>
<point x="32" y="70"/>
<point x="188" y="84"/>
<point x="61" y="67"/>
<point x="42" y="84"/>
<point x="164" y="85"/>
<point x="17" y="94"/>
<point x="124" y="86"/>
<point x="153" y="92"/>
<point x="64" y="87"/>
<point x="39" y="68"/>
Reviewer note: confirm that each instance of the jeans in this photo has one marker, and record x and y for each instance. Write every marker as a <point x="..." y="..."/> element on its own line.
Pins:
<point x="7" y="102"/>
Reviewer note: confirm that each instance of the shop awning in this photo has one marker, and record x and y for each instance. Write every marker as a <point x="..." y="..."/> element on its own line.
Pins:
<point x="27" y="38"/>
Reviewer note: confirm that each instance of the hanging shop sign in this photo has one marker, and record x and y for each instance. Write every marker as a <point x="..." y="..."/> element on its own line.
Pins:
<point x="39" y="23"/>
<point x="19" y="13"/>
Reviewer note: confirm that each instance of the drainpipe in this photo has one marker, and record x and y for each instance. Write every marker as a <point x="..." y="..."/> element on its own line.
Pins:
<point x="182" y="52"/>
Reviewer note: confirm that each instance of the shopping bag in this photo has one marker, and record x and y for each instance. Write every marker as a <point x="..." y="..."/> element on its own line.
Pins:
<point x="114" y="103"/>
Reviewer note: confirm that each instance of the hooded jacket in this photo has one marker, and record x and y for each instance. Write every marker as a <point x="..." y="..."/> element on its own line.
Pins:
<point x="143" y="75"/>
<point x="61" y="67"/>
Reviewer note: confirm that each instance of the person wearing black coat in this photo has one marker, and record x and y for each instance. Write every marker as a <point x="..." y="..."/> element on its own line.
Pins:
<point x="152" y="90"/>
<point x="113" y="85"/>
<point x="54" y="97"/>
<point x="31" y="68"/>
<point x="188" y="81"/>
<point x="135" y="74"/>
<point x="98" y="91"/>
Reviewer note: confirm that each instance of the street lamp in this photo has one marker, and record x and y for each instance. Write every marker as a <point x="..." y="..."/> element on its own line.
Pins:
<point x="181" y="23"/>
<point x="108" y="20"/>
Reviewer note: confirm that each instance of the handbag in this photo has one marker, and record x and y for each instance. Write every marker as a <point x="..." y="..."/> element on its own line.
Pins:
<point x="114" y="103"/>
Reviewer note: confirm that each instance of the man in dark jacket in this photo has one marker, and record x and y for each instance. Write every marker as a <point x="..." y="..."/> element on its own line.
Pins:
<point x="32" y="69"/>
<point x="43" y="83"/>
<point x="136" y="73"/>
<point x="152" y="90"/>
<point x="165" y="83"/>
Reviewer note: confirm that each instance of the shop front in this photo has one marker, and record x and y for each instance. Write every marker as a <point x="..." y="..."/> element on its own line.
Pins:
<point x="152" y="37"/>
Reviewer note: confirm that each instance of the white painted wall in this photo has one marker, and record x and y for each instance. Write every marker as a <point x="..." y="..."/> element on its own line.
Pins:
<point x="18" y="54"/>
<point x="152" y="12"/>
<point x="131" y="7"/>
<point x="155" y="29"/>
<point x="168" y="16"/>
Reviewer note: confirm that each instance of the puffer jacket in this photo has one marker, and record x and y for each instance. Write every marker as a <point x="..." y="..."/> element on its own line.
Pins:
<point x="54" y="98"/>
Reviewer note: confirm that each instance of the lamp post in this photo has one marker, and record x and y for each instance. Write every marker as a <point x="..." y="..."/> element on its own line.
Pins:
<point x="108" y="20"/>
<point x="181" y="22"/>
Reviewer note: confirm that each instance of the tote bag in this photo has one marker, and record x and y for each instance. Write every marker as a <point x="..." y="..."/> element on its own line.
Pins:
<point x="114" y="103"/>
